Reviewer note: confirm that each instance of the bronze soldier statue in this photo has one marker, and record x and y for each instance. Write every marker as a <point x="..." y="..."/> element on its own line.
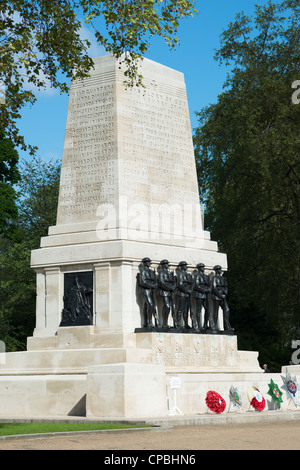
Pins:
<point x="202" y="289"/>
<point x="184" y="291"/>
<point x="166" y="288"/>
<point x="147" y="285"/>
<point x="219" y="294"/>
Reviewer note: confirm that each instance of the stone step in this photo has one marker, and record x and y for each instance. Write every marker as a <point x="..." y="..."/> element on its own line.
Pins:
<point x="73" y="361"/>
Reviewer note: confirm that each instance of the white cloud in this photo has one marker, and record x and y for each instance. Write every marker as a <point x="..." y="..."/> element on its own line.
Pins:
<point x="94" y="50"/>
<point x="47" y="89"/>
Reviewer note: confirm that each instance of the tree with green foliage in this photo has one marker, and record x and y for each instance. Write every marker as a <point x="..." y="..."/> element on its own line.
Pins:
<point x="247" y="150"/>
<point x="41" y="42"/>
<point x="9" y="176"/>
<point x="37" y="196"/>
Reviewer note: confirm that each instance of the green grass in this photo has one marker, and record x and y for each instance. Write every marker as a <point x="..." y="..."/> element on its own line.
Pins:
<point x="9" y="429"/>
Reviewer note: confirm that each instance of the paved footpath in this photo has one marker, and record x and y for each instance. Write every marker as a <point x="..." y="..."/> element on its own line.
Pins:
<point x="279" y="435"/>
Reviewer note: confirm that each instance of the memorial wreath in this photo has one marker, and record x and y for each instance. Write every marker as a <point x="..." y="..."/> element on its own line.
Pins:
<point x="275" y="393"/>
<point x="215" y="402"/>
<point x="256" y="399"/>
<point x="235" y="397"/>
<point x="258" y="404"/>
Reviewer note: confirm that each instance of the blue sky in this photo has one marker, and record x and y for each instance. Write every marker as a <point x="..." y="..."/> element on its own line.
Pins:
<point x="43" y="124"/>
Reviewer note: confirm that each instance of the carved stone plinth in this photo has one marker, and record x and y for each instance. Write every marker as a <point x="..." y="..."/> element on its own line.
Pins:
<point x="197" y="353"/>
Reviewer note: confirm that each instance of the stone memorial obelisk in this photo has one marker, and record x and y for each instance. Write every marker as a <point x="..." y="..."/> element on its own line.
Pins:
<point x="128" y="192"/>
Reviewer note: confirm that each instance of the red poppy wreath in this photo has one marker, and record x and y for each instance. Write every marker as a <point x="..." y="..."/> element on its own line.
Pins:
<point x="215" y="402"/>
<point x="258" y="405"/>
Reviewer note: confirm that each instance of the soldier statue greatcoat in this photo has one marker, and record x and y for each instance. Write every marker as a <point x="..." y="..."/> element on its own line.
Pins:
<point x="166" y="289"/>
<point x="185" y="284"/>
<point x="147" y="285"/>
<point x="202" y="289"/>
<point x="219" y="294"/>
